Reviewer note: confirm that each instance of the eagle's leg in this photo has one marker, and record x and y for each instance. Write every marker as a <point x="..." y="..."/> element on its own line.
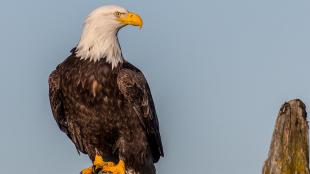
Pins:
<point x="98" y="165"/>
<point x="119" y="168"/>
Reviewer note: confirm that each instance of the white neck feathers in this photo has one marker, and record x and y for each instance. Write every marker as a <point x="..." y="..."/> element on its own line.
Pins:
<point x="99" y="41"/>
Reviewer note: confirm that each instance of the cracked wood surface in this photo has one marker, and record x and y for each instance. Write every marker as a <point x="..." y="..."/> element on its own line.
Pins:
<point x="289" y="149"/>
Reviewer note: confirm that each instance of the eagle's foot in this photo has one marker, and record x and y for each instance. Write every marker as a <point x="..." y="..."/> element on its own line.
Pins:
<point x="98" y="165"/>
<point x="115" y="169"/>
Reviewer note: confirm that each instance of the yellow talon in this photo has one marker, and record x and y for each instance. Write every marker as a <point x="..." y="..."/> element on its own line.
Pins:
<point x="100" y="162"/>
<point x="116" y="169"/>
<point x="98" y="165"/>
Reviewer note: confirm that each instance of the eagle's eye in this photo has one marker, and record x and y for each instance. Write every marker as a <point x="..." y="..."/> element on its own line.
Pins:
<point x="117" y="14"/>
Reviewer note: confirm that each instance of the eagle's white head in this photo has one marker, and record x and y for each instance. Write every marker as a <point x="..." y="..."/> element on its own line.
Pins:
<point x="99" y="37"/>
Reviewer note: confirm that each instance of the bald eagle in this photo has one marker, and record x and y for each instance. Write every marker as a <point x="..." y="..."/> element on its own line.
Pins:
<point x="103" y="103"/>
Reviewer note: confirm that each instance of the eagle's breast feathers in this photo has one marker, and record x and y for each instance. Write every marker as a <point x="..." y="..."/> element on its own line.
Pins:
<point x="98" y="107"/>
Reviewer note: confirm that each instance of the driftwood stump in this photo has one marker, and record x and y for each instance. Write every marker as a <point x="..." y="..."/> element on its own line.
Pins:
<point x="289" y="149"/>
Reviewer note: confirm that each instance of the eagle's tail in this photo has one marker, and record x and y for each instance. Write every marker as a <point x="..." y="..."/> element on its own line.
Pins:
<point x="148" y="168"/>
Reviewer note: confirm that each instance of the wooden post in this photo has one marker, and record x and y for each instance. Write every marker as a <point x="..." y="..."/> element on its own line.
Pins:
<point x="289" y="149"/>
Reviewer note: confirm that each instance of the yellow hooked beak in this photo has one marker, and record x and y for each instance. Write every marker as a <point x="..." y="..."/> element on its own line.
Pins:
<point x="131" y="19"/>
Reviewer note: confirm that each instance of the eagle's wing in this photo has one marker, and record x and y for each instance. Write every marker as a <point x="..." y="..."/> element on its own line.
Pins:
<point x="135" y="89"/>
<point x="56" y="101"/>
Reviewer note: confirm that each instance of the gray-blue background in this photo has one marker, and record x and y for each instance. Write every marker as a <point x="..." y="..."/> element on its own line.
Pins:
<point x="219" y="71"/>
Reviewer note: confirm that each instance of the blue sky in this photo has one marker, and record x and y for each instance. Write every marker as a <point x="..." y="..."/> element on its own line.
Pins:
<point x="218" y="70"/>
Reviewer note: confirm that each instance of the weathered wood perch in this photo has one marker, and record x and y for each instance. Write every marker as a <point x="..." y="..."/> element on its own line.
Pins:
<point x="289" y="149"/>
